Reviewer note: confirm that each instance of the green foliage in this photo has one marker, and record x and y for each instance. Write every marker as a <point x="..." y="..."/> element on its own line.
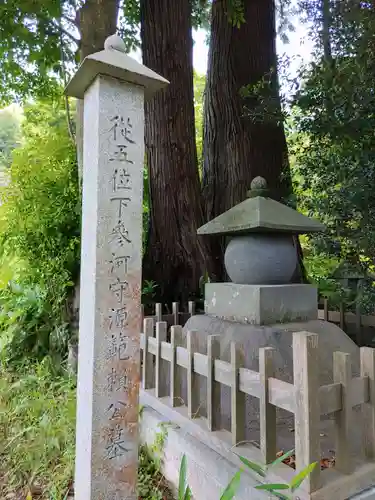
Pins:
<point x="232" y="488"/>
<point x="320" y="268"/>
<point x="332" y="144"/>
<point x="184" y="492"/>
<point x="37" y="448"/>
<point x="10" y="133"/>
<point x="40" y="41"/>
<point x="28" y="326"/>
<point x="31" y="48"/>
<point x="235" y="12"/>
<point x="40" y="234"/>
<point x="37" y="414"/>
<point x="276" y="488"/>
<point x="151" y="484"/>
<point x="201" y="10"/>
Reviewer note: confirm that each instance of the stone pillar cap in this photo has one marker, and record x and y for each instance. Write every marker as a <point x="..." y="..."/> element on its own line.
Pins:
<point x="113" y="62"/>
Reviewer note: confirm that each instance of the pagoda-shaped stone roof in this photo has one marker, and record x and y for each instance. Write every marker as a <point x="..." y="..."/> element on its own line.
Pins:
<point x="114" y="62"/>
<point x="260" y="214"/>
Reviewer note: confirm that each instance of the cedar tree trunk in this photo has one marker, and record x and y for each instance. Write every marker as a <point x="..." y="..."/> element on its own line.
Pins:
<point x="96" y="20"/>
<point x="174" y="257"/>
<point x="239" y="146"/>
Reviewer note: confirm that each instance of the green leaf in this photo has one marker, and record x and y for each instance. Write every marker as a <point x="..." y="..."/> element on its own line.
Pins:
<point x="279" y="460"/>
<point x="299" y="478"/>
<point x="253" y="466"/>
<point x="188" y="494"/>
<point x="270" y="487"/>
<point x="182" y="479"/>
<point x="232" y="487"/>
<point x="280" y="496"/>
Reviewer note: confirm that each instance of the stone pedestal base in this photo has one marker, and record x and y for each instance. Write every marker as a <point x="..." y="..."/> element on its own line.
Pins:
<point x="261" y="304"/>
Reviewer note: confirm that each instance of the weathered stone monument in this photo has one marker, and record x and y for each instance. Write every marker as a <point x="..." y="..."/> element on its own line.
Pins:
<point x="260" y="259"/>
<point x="113" y="87"/>
<point x="260" y="307"/>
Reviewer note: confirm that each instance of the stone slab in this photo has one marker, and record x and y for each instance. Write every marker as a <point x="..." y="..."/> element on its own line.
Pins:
<point x="261" y="304"/>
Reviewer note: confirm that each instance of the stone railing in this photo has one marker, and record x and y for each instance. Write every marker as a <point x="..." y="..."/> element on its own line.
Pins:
<point x="166" y="365"/>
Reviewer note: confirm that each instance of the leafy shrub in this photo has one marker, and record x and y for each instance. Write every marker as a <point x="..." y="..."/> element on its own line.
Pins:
<point x="10" y="121"/>
<point x="331" y="139"/>
<point x="40" y="231"/>
<point x="151" y="484"/>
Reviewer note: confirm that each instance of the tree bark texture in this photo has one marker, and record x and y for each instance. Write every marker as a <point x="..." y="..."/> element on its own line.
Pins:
<point x="237" y="147"/>
<point x="326" y="36"/>
<point x="96" y="20"/>
<point x="175" y="258"/>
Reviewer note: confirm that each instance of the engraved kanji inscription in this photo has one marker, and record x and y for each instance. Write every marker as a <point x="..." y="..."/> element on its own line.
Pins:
<point x="120" y="234"/>
<point x="118" y="317"/>
<point x="122" y="129"/>
<point x="118" y="289"/>
<point x="118" y="347"/>
<point x="121" y="179"/>
<point x="116" y="445"/>
<point x="119" y="265"/>
<point x="117" y="380"/>
<point x="123" y="347"/>
<point x="122" y="202"/>
<point x="115" y="409"/>
<point x="120" y="153"/>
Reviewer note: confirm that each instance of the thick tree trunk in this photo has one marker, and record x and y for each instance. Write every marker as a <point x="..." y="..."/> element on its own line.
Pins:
<point x="326" y="36"/>
<point x="174" y="257"/>
<point x="238" y="147"/>
<point x="96" y="20"/>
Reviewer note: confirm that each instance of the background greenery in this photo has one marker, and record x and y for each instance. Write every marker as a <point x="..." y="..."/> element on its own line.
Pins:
<point x="328" y="112"/>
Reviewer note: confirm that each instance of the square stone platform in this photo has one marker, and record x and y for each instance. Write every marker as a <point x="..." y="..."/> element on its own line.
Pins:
<point x="261" y="304"/>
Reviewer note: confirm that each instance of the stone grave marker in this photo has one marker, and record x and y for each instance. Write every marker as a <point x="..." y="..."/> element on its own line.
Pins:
<point x="113" y="87"/>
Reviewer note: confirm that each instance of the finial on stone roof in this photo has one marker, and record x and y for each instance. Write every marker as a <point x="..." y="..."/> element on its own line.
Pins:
<point x="114" y="42"/>
<point x="258" y="183"/>
<point x="258" y="187"/>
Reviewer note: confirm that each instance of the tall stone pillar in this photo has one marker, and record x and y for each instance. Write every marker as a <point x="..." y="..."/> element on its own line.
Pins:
<point x="113" y="87"/>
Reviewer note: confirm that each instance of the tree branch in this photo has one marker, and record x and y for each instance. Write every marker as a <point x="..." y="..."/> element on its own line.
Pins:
<point x="67" y="106"/>
<point x="63" y="31"/>
<point x="70" y="20"/>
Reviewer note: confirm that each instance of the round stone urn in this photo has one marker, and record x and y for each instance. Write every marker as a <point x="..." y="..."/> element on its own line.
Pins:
<point x="261" y="259"/>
